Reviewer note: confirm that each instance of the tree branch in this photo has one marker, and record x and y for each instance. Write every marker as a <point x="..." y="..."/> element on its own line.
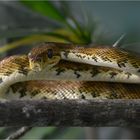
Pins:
<point x="70" y="113"/>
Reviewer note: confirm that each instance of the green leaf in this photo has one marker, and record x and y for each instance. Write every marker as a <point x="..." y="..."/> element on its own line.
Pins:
<point x="45" y="8"/>
<point x="32" y="39"/>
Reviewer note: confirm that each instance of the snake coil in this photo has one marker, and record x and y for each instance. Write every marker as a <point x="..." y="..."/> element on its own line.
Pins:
<point x="67" y="71"/>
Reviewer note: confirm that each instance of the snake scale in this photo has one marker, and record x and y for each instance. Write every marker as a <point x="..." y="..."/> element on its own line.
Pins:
<point x="68" y="71"/>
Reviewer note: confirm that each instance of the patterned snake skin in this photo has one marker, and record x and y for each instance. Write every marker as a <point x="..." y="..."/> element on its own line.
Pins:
<point x="66" y="71"/>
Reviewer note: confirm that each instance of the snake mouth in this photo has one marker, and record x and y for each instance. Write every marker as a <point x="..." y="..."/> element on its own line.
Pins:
<point x="42" y="64"/>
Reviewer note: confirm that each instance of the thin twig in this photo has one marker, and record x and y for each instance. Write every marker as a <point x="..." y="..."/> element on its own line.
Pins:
<point x="116" y="44"/>
<point x="19" y="133"/>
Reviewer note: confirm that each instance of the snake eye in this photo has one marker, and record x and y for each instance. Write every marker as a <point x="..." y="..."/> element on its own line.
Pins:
<point x="50" y="53"/>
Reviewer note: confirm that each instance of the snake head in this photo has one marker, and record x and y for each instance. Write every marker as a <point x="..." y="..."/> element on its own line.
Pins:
<point x="42" y="58"/>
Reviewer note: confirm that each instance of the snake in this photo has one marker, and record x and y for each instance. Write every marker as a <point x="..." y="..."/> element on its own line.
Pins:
<point x="69" y="71"/>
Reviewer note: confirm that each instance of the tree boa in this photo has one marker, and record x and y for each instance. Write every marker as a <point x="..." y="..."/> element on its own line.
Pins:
<point x="68" y="71"/>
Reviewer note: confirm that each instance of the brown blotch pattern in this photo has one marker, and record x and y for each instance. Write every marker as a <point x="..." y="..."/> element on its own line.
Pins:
<point x="50" y="89"/>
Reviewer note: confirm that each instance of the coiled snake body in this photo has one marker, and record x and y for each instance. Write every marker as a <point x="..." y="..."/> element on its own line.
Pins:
<point x="66" y="71"/>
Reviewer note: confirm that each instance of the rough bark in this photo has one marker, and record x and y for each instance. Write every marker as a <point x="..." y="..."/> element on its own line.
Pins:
<point x="70" y="113"/>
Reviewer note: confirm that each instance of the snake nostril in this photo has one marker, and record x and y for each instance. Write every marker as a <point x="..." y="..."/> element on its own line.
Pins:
<point x="50" y="53"/>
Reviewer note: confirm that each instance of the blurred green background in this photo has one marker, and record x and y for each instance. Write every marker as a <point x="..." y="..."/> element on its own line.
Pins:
<point x="24" y="24"/>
